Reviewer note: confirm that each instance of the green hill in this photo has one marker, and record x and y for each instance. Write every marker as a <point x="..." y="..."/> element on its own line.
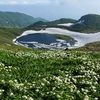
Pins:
<point x="16" y="20"/>
<point x="40" y="24"/>
<point x="88" y="23"/>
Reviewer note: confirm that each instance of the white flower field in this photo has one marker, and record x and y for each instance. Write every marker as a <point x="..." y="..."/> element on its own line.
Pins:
<point x="49" y="75"/>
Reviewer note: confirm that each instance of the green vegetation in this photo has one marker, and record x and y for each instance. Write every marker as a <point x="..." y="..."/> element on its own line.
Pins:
<point x="16" y="20"/>
<point x="42" y="25"/>
<point x="28" y="74"/>
<point x="64" y="37"/>
<point x="61" y="21"/>
<point x="91" y="23"/>
<point x="49" y="75"/>
<point x="95" y="47"/>
<point x="8" y="34"/>
<point x="6" y="38"/>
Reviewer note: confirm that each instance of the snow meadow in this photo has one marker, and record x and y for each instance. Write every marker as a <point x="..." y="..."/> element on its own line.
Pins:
<point x="49" y="75"/>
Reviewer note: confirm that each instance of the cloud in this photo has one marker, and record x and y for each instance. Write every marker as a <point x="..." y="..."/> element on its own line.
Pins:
<point x="65" y="1"/>
<point x="12" y="2"/>
<point x="1" y="3"/>
<point x="32" y="2"/>
<point x="75" y="2"/>
<point x="27" y="2"/>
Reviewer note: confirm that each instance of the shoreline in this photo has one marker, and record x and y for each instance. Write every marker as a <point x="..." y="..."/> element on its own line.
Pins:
<point x="81" y="38"/>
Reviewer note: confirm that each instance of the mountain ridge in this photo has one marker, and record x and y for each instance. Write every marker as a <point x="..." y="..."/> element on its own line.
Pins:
<point x="17" y="20"/>
<point x="87" y="23"/>
<point x="41" y="25"/>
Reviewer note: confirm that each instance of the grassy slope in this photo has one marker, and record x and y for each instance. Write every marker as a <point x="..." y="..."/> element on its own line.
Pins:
<point x="6" y="38"/>
<point x="95" y="46"/>
<point x="14" y="19"/>
<point x="17" y="20"/>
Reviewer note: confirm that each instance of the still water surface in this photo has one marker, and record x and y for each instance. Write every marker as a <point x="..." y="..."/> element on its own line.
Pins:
<point x="43" y="38"/>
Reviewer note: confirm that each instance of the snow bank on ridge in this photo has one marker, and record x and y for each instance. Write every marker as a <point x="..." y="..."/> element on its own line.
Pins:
<point x="66" y="24"/>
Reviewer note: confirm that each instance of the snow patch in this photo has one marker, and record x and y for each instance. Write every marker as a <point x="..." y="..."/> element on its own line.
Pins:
<point x="60" y="40"/>
<point x="66" y="24"/>
<point x="7" y="22"/>
<point x="79" y="22"/>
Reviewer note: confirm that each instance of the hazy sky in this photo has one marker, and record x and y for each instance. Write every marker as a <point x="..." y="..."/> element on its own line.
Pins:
<point x="52" y="9"/>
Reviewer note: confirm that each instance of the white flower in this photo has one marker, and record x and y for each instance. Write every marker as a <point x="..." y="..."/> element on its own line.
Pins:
<point x="58" y="95"/>
<point x="3" y="81"/>
<point x="95" y="98"/>
<point x="1" y="90"/>
<point x="15" y="81"/>
<point x="42" y="84"/>
<point x="11" y="94"/>
<point x="30" y="98"/>
<point x="37" y="90"/>
<point x="86" y="97"/>
<point x="25" y="97"/>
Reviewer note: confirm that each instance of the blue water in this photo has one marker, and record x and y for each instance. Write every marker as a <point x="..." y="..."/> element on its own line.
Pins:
<point x="39" y="37"/>
<point x="42" y="38"/>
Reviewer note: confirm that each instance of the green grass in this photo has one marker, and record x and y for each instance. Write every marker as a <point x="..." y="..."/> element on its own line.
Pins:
<point x="6" y="38"/>
<point x="28" y="74"/>
<point x="8" y="34"/>
<point x="63" y="37"/>
<point x="49" y="75"/>
<point x="94" y="46"/>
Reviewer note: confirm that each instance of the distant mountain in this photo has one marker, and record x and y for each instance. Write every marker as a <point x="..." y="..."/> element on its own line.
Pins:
<point x="40" y="24"/>
<point x="62" y="20"/>
<point x="88" y="23"/>
<point x="41" y="19"/>
<point x="17" y="20"/>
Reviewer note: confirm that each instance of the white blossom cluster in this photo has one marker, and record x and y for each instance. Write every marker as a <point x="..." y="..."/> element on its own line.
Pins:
<point x="56" y="75"/>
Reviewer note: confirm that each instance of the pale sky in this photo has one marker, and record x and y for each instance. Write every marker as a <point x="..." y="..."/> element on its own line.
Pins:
<point x="52" y="9"/>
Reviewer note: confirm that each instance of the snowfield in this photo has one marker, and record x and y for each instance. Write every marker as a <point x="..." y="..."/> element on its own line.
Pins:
<point x="81" y="38"/>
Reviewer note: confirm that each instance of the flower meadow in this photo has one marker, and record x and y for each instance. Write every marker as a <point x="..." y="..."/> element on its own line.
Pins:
<point x="49" y="75"/>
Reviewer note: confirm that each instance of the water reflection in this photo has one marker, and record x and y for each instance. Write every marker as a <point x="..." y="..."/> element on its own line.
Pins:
<point x="43" y="40"/>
